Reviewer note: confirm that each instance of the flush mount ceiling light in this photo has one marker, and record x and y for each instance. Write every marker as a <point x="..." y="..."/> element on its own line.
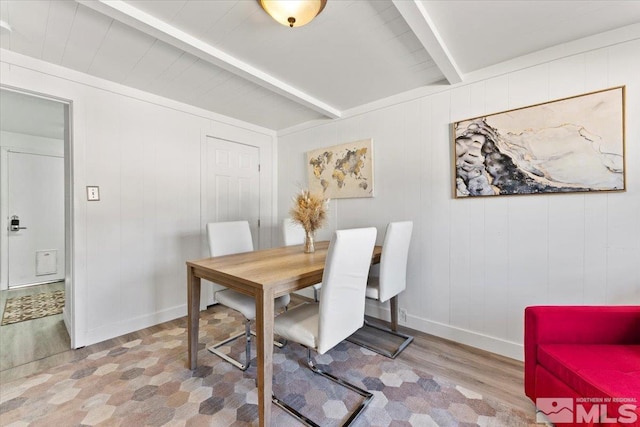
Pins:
<point x="293" y="12"/>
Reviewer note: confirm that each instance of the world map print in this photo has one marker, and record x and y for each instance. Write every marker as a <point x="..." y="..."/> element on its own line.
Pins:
<point x="342" y="171"/>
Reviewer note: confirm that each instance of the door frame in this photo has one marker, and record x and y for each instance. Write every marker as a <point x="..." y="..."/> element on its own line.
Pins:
<point x="69" y="309"/>
<point x="207" y="292"/>
<point x="266" y="153"/>
<point x="204" y="207"/>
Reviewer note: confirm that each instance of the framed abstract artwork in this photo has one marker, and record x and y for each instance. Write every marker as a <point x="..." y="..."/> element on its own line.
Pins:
<point x="568" y="145"/>
<point x="342" y="171"/>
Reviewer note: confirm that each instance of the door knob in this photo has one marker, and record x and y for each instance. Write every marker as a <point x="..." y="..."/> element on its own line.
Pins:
<point x="15" y="224"/>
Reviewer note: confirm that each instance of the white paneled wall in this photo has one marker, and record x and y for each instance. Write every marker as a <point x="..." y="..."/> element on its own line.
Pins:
<point x="476" y="263"/>
<point x="146" y="160"/>
<point x="143" y="151"/>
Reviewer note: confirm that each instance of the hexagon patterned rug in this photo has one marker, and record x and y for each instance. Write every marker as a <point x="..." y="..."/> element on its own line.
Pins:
<point x="146" y="382"/>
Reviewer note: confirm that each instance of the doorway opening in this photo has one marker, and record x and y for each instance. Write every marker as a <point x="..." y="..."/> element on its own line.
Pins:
<point x="35" y="218"/>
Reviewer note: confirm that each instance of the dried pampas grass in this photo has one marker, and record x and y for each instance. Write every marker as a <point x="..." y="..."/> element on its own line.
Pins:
<point x="309" y="210"/>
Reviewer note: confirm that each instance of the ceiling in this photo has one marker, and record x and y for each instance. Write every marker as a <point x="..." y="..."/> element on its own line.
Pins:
<point x="230" y="57"/>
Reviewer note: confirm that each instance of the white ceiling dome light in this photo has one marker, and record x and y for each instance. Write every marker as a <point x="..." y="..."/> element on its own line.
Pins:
<point x="293" y="13"/>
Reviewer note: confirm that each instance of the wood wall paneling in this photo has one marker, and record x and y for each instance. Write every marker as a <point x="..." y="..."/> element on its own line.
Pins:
<point x="475" y="264"/>
<point x="144" y="153"/>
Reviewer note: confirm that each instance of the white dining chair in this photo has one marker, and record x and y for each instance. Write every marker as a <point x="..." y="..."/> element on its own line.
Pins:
<point x="340" y="311"/>
<point x="389" y="284"/>
<point x="293" y="234"/>
<point x="227" y="238"/>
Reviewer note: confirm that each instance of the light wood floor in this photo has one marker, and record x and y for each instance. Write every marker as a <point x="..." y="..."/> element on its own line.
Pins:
<point x="31" y="340"/>
<point x="483" y="372"/>
<point x="486" y="373"/>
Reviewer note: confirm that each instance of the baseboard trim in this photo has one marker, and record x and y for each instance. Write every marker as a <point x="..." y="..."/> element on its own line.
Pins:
<point x="496" y="345"/>
<point x="463" y="336"/>
<point x="131" y="325"/>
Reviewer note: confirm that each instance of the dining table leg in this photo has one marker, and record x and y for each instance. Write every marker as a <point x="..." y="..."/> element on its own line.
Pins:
<point x="193" y="316"/>
<point x="264" y="334"/>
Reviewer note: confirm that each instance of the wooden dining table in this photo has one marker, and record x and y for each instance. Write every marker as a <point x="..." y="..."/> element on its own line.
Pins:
<point x="264" y="274"/>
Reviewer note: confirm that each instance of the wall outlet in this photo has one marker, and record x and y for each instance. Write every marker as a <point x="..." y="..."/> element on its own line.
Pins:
<point x="403" y="315"/>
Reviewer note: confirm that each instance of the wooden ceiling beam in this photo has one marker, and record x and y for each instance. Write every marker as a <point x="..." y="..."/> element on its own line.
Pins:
<point x="422" y="25"/>
<point x="154" y="27"/>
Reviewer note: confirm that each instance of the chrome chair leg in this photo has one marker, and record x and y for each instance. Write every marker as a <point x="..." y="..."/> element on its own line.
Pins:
<point x="293" y="412"/>
<point x="277" y="343"/>
<point x="247" y="333"/>
<point x="368" y="396"/>
<point x="390" y="354"/>
<point x="393" y="331"/>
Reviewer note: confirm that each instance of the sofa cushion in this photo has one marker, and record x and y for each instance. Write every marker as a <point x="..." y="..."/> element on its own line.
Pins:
<point x="595" y="370"/>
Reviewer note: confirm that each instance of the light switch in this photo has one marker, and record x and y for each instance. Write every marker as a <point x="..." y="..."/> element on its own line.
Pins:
<point x="93" y="193"/>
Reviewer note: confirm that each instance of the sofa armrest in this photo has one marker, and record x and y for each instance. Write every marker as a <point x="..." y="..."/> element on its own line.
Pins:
<point x="575" y="324"/>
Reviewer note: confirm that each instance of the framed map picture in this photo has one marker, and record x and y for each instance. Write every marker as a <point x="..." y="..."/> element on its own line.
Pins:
<point x="342" y="171"/>
<point x="569" y="145"/>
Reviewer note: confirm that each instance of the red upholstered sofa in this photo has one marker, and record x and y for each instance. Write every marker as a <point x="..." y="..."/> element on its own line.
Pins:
<point x="587" y="355"/>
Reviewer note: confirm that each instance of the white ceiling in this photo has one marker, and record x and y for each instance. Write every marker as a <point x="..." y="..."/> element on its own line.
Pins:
<point x="231" y="58"/>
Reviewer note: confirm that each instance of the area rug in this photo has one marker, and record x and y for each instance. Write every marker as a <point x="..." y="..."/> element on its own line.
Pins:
<point x="146" y="382"/>
<point x="31" y="307"/>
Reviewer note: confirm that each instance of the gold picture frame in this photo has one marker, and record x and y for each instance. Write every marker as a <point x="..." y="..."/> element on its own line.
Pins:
<point x="342" y="171"/>
<point x="574" y="144"/>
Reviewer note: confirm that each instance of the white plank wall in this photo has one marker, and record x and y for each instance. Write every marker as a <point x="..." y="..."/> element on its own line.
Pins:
<point x="475" y="264"/>
<point x="143" y="151"/>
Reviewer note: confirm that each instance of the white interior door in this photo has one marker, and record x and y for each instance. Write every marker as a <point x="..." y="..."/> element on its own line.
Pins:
<point x="231" y="188"/>
<point x="36" y="203"/>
